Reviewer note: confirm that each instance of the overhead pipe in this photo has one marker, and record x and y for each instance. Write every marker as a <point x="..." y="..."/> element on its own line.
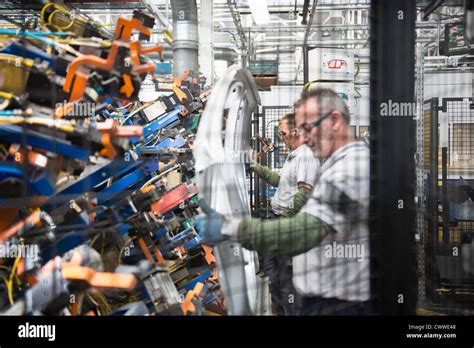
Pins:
<point x="220" y="53"/>
<point x="228" y="54"/>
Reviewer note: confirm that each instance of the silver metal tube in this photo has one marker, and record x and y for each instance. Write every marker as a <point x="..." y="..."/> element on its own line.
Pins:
<point x="185" y="36"/>
<point x="220" y="53"/>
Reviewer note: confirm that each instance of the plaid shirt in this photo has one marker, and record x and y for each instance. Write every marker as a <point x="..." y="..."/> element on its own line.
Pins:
<point x="339" y="266"/>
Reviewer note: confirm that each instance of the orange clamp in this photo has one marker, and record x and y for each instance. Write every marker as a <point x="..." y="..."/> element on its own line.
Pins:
<point x="109" y="149"/>
<point x="136" y="50"/>
<point x="98" y="279"/>
<point x="80" y="77"/>
<point x="148" y="255"/>
<point x="127" y="89"/>
<point x="208" y="256"/>
<point x="126" y="26"/>
<point x="188" y="306"/>
<point x="177" y="84"/>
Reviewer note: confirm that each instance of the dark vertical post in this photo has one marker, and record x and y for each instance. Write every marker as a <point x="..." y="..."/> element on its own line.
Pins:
<point x="256" y="186"/>
<point x="444" y="199"/>
<point x="443" y="142"/>
<point x="263" y="185"/>
<point x="392" y="224"/>
<point x="305" y="65"/>
<point x="433" y="179"/>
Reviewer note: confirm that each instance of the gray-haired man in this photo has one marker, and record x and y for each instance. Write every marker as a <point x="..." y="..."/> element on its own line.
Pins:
<point x="329" y="237"/>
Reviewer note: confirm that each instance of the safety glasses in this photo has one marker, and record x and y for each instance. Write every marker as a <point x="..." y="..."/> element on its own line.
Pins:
<point x="306" y="127"/>
<point x="284" y="134"/>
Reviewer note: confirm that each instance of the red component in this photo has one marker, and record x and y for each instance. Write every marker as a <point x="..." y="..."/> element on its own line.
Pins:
<point x="110" y="126"/>
<point x="174" y="198"/>
<point x="337" y="63"/>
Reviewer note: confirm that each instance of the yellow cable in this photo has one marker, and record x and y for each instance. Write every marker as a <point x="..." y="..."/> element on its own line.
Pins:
<point x="95" y="239"/>
<point x="66" y="27"/>
<point x="10" y="280"/>
<point x="9" y="58"/>
<point x="43" y="11"/>
<point x="36" y="121"/>
<point x="58" y="8"/>
<point x="6" y="95"/>
<point x="62" y="9"/>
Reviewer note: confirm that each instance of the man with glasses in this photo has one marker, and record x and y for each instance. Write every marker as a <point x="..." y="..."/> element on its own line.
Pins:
<point x="296" y="179"/>
<point x="329" y="237"/>
<point x="294" y="186"/>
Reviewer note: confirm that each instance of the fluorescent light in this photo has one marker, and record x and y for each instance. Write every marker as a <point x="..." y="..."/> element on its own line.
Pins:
<point x="260" y="13"/>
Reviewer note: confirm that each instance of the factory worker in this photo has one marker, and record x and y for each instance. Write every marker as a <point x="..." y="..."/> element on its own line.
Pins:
<point x="329" y="238"/>
<point x="294" y="187"/>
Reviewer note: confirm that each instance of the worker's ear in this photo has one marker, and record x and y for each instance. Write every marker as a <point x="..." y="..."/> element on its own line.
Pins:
<point x="337" y="120"/>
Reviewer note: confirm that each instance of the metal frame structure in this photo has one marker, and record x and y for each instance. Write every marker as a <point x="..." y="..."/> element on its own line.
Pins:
<point x="281" y="38"/>
<point x="420" y="175"/>
<point x="429" y="151"/>
<point x="441" y="276"/>
<point x="258" y="188"/>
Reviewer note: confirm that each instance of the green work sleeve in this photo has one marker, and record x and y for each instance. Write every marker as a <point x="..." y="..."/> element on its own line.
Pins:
<point x="299" y="200"/>
<point x="271" y="177"/>
<point x="285" y="236"/>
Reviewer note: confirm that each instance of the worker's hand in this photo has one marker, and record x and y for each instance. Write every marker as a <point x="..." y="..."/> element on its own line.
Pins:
<point x="250" y="167"/>
<point x="209" y="225"/>
<point x="251" y="164"/>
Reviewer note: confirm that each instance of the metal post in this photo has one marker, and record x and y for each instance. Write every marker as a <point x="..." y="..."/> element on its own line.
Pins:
<point x="420" y="174"/>
<point x="443" y="142"/>
<point x="444" y="197"/>
<point x="265" y="162"/>
<point x="433" y="179"/>
<point x="206" y="49"/>
<point x="431" y="245"/>
<point x="392" y="225"/>
<point x="254" y="177"/>
<point x="185" y="36"/>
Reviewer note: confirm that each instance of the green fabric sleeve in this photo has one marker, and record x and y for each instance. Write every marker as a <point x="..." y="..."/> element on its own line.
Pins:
<point x="299" y="200"/>
<point x="285" y="236"/>
<point x="271" y="177"/>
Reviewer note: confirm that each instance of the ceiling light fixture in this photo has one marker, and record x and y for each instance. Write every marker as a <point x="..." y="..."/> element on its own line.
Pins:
<point x="259" y="9"/>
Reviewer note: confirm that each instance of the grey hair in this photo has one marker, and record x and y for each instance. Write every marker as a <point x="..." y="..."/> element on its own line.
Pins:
<point x="327" y="100"/>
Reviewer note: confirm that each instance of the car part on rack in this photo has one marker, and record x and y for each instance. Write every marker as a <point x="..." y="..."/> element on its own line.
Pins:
<point x="222" y="142"/>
